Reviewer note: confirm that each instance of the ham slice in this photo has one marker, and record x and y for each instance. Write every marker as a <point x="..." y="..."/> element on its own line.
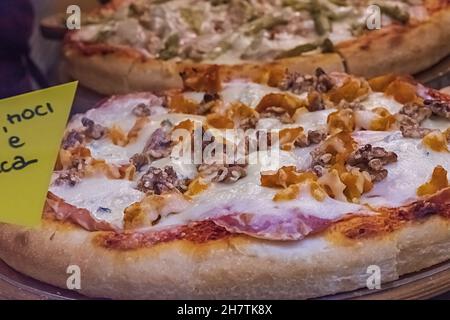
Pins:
<point x="293" y="225"/>
<point x="60" y="210"/>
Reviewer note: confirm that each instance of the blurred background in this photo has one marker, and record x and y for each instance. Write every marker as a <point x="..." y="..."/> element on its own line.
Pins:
<point x="28" y="60"/>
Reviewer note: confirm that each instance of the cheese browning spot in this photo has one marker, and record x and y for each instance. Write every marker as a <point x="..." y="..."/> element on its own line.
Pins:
<point x="437" y="182"/>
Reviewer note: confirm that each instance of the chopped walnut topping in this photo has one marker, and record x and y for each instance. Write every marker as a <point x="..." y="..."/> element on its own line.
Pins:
<point x="70" y="177"/>
<point x="313" y="137"/>
<point x="158" y="181"/>
<point x="139" y="160"/>
<point x="406" y="121"/>
<point x="142" y="110"/>
<point x="316" y="136"/>
<point x="414" y="131"/>
<point x="222" y="173"/>
<point x="159" y="144"/>
<point x="93" y="130"/>
<point x="416" y="112"/>
<point x="72" y="139"/>
<point x="315" y="101"/>
<point x="208" y="102"/>
<point x="372" y="160"/>
<point x="299" y="83"/>
<point x="354" y="105"/>
<point x="324" y="82"/>
<point x="439" y="108"/>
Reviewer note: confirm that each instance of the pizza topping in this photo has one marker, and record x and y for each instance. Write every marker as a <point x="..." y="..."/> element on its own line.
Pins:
<point x="197" y="186"/>
<point x="416" y="112"/>
<point x="344" y="169"/>
<point x="279" y="105"/>
<point x="70" y="177"/>
<point x="415" y="132"/>
<point x="285" y="177"/>
<point x="197" y="232"/>
<point x="341" y="121"/>
<point x="72" y="139"/>
<point x="226" y="173"/>
<point x="372" y="160"/>
<point x="439" y="108"/>
<point x="62" y="211"/>
<point x="159" y="181"/>
<point x="152" y="208"/>
<point x="315" y="101"/>
<point x="352" y="89"/>
<point x="159" y="144"/>
<point x="93" y="130"/>
<point x="436" y="140"/>
<point x="437" y="182"/>
<point x="147" y="109"/>
<point x="293" y="226"/>
<point x="289" y="136"/>
<point x="300" y="83"/>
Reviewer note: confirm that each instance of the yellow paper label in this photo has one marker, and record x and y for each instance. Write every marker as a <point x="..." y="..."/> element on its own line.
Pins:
<point x="31" y="130"/>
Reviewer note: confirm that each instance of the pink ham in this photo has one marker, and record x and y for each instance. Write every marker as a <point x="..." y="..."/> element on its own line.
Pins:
<point x="62" y="211"/>
<point x="290" y="226"/>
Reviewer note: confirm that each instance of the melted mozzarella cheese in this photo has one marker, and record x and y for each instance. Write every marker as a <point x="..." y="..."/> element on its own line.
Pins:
<point x="119" y="112"/>
<point x="438" y="123"/>
<point x="378" y="99"/>
<point x="104" y="149"/>
<point x="106" y="199"/>
<point x="245" y="92"/>
<point x="314" y="120"/>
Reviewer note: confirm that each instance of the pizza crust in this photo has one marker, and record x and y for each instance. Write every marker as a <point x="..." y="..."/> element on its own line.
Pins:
<point x="234" y="267"/>
<point x="120" y="72"/>
<point x="398" y="49"/>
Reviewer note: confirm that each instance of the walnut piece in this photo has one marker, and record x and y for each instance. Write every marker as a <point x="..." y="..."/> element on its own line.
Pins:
<point x="159" y="144"/>
<point x="416" y="112"/>
<point x="439" y="108"/>
<point x="70" y="177"/>
<point x="372" y="160"/>
<point x="93" y="130"/>
<point x="222" y="173"/>
<point x="72" y="139"/>
<point x="299" y="83"/>
<point x="414" y="131"/>
<point x="158" y="181"/>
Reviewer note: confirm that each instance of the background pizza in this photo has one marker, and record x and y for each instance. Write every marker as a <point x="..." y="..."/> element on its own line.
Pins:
<point x="143" y="45"/>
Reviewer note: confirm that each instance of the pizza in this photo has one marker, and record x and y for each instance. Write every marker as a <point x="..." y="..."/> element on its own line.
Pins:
<point x="295" y="189"/>
<point x="143" y="45"/>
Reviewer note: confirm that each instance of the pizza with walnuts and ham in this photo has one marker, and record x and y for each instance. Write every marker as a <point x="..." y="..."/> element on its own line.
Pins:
<point x="140" y="45"/>
<point x="351" y="173"/>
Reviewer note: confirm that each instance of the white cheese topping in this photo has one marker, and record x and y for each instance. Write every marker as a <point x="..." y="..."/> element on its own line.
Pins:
<point x="106" y="199"/>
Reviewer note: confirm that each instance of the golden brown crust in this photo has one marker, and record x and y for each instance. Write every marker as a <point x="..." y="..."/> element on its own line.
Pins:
<point x="237" y="267"/>
<point x="399" y="49"/>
